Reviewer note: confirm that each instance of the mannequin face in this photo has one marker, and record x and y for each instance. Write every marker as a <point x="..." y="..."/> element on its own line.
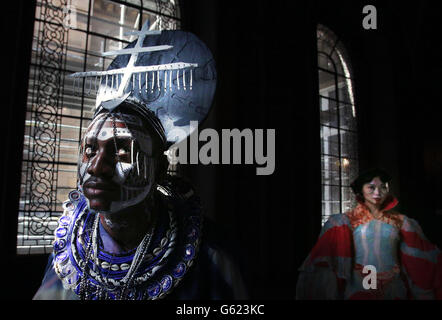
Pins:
<point x="116" y="167"/>
<point x="375" y="192"/>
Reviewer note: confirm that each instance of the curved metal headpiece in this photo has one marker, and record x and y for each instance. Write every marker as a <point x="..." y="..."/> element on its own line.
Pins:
<point x="171" y="73"/>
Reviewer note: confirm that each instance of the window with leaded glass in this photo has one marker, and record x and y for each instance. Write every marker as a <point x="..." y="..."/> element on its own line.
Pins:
<point x="339" y="155"/>
<point x="69" y="36"/>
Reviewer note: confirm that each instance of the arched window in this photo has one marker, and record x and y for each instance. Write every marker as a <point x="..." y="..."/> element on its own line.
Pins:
<point x="69" y="36"/>
<point x="339" y="155"/>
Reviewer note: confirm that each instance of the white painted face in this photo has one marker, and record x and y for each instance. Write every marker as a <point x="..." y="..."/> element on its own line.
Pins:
<point x="116" y="169"/>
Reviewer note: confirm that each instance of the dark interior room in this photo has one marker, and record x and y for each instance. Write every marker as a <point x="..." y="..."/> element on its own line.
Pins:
<point x="266" y="57"/>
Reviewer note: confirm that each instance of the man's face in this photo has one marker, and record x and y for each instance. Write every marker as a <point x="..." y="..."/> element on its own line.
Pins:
<point x="116" y="168"/>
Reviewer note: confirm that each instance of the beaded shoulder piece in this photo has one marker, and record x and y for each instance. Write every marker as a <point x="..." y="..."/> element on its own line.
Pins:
<point x="173" y="249"/>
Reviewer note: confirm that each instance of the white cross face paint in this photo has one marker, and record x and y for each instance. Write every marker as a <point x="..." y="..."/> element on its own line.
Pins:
<point x="116" y="169"/>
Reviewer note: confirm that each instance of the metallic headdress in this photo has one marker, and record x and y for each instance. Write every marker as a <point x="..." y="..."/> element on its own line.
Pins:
<point x="168" y="78"/>
<point x="171" y="72"/>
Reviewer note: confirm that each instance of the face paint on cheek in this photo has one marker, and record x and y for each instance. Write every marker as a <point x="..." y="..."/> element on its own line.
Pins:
<point x="135" y="175"/>
<point x="135" y="189"/>
<point x="134" y="170"/>
<point x="122" y="171"/>
<point x="83" y="164"/>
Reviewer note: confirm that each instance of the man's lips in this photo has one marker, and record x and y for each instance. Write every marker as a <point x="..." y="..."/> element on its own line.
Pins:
<point x="96" y="188"/>
<point x="99" y="185"/>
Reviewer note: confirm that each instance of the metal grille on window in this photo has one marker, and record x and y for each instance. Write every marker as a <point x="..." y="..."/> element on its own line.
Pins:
<point x="69" y="36"/>
<point x="339" y="155"/>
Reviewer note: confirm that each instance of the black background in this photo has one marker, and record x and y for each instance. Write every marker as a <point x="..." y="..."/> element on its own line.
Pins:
<point x="267" y="78"/>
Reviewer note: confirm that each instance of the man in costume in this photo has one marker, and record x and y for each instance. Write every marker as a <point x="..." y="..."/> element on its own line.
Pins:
<point x="130" y="231"/>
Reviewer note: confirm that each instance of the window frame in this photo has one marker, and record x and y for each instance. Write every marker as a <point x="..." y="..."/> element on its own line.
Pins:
<point x="340" y="61"/>
<point x="44" y="123"/>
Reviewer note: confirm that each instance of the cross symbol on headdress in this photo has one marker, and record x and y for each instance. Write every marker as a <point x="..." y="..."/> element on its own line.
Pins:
<point x="117" y="81"/>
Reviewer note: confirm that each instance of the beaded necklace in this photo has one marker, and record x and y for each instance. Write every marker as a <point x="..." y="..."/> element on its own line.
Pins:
<point x="84" y="267"/>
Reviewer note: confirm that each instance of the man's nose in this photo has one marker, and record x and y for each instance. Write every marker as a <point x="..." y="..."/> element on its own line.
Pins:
<point x="376" y="191"/>
<point x="101" y="165"/>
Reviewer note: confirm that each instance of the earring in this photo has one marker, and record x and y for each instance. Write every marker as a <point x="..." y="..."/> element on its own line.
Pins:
<point x="153" y="81"/>
<point x="132" y="152"/>
<point x="138" y="165"/>
<point x="191" y="71"/>
<point x="133" y="82"/>
<point x="170" y="80"/>
<point x="177" y="78"/>
<point x="158" y="80"/>
<point x="184" y="79"/>
<point x="139" y="83"/>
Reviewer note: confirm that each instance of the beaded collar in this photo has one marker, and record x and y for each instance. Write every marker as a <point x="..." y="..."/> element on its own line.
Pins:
<point x="162" y="259"/>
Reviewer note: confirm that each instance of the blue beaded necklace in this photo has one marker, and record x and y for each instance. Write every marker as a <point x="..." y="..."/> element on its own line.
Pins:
<point x="101" y="275"/>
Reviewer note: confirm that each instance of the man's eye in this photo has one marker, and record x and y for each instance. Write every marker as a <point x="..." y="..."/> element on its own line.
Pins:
<point x="122" y="152"/>
<point x="88" y="151"/>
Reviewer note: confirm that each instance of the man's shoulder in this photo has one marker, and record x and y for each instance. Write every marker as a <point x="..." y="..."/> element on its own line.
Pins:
<point x="222" y="253"/>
